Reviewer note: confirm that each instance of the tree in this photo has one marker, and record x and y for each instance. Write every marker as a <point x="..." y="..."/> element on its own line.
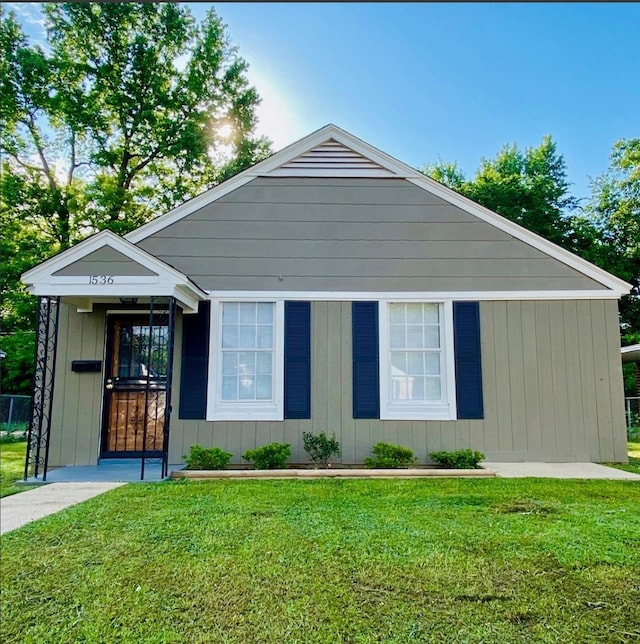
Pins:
<point x="529" y="187"/>
<point x="614" y="211"/>
<point x="132" y="109"/>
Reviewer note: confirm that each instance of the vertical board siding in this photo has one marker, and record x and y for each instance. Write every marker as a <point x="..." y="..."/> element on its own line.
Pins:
<point x="76" y="420"/>
<point x="547" y="367"/>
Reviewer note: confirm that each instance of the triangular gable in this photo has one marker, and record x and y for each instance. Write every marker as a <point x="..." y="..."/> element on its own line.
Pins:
<point x="108" y="266"/>
<point x="105" y="260"/>
<point x="329" y="152"/>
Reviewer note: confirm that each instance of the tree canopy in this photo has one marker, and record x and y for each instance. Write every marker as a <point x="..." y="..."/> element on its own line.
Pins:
<point x="130" y="109"/>
<point x="531" y="188"/>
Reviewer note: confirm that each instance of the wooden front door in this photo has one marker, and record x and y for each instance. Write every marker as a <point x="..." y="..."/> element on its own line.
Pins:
<point x="135" y="387"/>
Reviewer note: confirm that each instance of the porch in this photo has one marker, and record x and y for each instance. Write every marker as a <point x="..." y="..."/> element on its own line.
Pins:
<point x="117" y="360"/>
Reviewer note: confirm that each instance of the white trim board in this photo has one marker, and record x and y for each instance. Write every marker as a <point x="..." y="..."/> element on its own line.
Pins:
<point x="272" y="166"/>
<point x="167" y="281"/>
<point x="419" y="296"/>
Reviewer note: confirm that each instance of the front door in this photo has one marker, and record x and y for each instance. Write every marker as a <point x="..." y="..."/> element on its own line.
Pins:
<point x="135" y="387"/>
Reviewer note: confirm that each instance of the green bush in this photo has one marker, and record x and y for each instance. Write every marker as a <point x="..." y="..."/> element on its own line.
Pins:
<point x="321" y="448"/>
<point x="212" y="458"/>
<point x="269" y="457"/>
<point x="462" y="459"/>
<point x="390" y="456"/>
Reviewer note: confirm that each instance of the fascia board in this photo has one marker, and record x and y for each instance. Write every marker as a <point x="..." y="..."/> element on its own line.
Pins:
<point x="402" y="171"/>
<point x="620" y="287"/>
<point x="213" y="194"/>
<point x="166" y="273"/>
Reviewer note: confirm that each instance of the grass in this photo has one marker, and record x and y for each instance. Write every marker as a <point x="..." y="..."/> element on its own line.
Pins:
<point x="451" y="560"/>
<point x="634" y="458"/>
<point x="12" y="457"/>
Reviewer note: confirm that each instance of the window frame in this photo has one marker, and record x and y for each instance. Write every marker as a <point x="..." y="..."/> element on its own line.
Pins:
<point x="427" y="410"/>
<point x="247" y="410"/>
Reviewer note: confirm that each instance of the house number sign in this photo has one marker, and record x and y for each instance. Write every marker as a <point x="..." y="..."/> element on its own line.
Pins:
<point x="100" y="279"/>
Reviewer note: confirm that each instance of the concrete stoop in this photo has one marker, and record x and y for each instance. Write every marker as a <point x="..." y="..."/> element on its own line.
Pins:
<point x="346" y="473"/>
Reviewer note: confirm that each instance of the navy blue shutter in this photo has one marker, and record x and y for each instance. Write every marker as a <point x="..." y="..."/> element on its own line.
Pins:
<point x="195" y="363"/>
<point x="297" y="360"/>
<point x="366" y="379"/>
<point x="466" y="338"/>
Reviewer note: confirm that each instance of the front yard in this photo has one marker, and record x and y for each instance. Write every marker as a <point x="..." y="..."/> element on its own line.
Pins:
<point x="12" y="457"/>
<point x="457" y="560"/>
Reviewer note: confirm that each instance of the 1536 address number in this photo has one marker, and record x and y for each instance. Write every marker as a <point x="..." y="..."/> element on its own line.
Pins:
<point x="100" y="279"/>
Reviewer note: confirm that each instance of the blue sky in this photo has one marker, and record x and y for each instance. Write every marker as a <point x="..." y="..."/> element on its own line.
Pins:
<point x="445" y="81"/>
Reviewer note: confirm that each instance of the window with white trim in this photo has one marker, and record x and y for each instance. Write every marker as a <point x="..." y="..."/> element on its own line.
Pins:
<point x="247" y="356"/>
<point x="416" y="361"/>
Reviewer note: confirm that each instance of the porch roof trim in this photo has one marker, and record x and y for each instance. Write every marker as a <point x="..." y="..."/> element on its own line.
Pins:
<point x="155" y="278"/>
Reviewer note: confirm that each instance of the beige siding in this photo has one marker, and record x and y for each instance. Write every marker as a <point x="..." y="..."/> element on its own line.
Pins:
<point x="104" y="261"/>
<point x="314" y="234"/>
<point x="76" y="417"/>
<point x="552" y="391"/>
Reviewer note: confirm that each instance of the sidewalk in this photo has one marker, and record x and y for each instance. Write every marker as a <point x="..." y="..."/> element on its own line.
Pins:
<point x="22" y="508"/>
<point x="559" y="471"/>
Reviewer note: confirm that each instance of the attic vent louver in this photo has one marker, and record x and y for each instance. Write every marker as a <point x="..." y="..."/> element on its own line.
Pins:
<point x="331" y="159"/>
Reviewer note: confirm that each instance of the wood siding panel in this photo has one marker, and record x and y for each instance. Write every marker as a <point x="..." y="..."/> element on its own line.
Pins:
<point x="530" y="379"/>
<point x="616" y="384"/>
<point x="529" y="393"/>
<point x="515" y="342"/>
<point x="104" y="261"/>
<point x="559" y="378"/>
<point x="350" y="234"/>
<point x="77" y="405"/>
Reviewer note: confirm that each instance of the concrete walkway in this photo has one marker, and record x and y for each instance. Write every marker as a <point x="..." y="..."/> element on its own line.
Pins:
<point x="22" y="508"/>
<point x="559" y="471"/>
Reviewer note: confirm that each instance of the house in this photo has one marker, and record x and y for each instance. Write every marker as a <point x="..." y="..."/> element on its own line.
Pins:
<point x="331" y="288"/>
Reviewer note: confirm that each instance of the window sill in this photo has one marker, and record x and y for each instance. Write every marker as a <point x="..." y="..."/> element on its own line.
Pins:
<point x="407" y="412"/>
<point x="238" y="412"/>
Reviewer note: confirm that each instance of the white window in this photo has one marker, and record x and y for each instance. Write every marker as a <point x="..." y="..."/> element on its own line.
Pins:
<point x="247" y="361"/>
<point x="416" y="361"/>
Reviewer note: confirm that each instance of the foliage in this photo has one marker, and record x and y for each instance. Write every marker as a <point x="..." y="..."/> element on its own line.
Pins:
<point x="212" y="458"/>
<point x="389" y="456"/>
<point x="273" y="456"/>
<point x="462" y="459"/>
<point x="129" y="109"/>
<point x="614" y="211"/>
<point x="531" y="188"/>
<point x="16" y="369"/>
<point x="320" y="447"/>
<point x="331" y="560"/>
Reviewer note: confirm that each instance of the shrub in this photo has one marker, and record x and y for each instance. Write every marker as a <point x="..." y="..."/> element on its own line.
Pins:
<point x="213" y="458"/>
<point x="269" y="457"/>
<point x="391" y="456"/>
<point x="462" y="459"/>
<point x="321" y="448"/>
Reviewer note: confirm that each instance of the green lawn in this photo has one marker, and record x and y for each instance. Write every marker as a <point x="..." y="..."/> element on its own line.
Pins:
<point x="12" y="457"/>
<point x="634" y="458"/>
<point x="450" y="560"/>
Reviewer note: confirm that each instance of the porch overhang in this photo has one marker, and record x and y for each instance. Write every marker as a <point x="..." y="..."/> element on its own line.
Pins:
<point x="106" y="269"/>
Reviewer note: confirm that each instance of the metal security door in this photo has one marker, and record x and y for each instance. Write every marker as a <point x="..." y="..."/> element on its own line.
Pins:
<point x="135" y="387"/>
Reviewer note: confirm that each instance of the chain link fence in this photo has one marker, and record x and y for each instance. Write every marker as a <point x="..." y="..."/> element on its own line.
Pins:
<point x="14" y="414"/>
<point x="632" y="414"/>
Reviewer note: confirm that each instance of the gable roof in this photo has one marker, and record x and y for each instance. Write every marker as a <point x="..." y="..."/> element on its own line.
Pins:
<point x="141" y="273"/>
<point x="331" y="151"/>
